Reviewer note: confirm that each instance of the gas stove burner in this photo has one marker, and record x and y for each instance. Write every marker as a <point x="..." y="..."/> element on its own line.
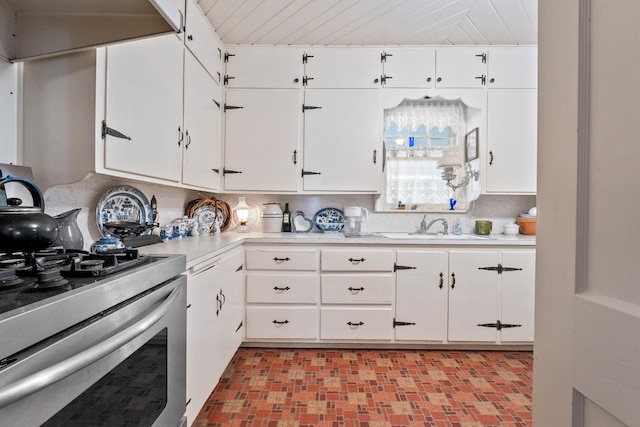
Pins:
<point x="9" y="279"/>
<point x="11" y="263"/>
<point x="91" y="265"/>
<point x="49" y="279"/>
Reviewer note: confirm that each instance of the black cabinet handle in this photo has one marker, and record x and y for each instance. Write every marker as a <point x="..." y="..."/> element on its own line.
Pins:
<point x="190" y="37"/>
<point x="277" y="289"/>
<point x="295" y="157"/>
<point x="375" y="156"/>
<point x="453" y="280"/>
<point x="188" y="140"/>
<point x="276" y="259"/>
<point x="428" y="79"/>
<point x="280" y="322"/>
<point x="180" y="136"/>
<point x="356" y="260"/>
<point x="355" y="324"/>
<point x="356" y="289"/>
<point x="441" y="280"/>
<point x="490" y="158"/>
<point x="439" y="79"/>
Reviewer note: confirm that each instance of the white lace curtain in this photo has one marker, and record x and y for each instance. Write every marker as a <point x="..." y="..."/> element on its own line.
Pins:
<point x="417" y="180"/>
<point x="439" y="114"/>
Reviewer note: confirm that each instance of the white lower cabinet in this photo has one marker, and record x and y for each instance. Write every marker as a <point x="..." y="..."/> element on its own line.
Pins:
<point x="491" y="295"/>
<point x="214" y="324"/>
<point x="421" y="295"/>
<point x="362" y="294"/>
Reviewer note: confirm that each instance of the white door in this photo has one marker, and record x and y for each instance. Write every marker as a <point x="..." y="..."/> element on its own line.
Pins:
<point x="342" y="68"/>
<point x="202" y="119"/>
<point x="409" y="67"/>
<point x="512" y="67"/>
<point x="262" y="150"/>
<point x="263" y="67"/>
<point x="461" y="67"/>
<point x="144" y="102"/>
<point x="421" y="295"/>
<point x="511" y="141"/>
<point x="342" y="140"/>
<point x="473" y="295"/>
<point x="587" y="347"/>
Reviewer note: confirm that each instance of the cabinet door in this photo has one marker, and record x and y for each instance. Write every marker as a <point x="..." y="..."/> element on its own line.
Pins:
<point x="202" y="117"/>
<point x="409" y="67"/>
<point x="146" y="106"/>
<point x="461" y="67"/>
<point x="201" y="40"/>
<point x="473" y="295"/>
<point x="263" y="67"/>
<point x="513" y="67"/>
<point x="511" y="141"/>
<point x="518" y="295"/>
<point x="202" y="325"/>
<point x="261" y="141"/>
<point x="342" y="68"/>
<point x="230" y="279"/>
<point x="342" y="140"/>
<point x="421" y="295"/>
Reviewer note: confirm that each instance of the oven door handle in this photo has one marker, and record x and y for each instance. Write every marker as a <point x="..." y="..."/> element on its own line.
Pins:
<point x="44" y="378"/>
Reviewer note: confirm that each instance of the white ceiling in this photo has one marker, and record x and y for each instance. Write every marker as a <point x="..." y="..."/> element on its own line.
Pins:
<point x="374" y="22"/>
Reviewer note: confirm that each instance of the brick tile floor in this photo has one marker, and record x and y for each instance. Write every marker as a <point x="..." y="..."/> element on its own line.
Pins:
<point x="372" y="388"/>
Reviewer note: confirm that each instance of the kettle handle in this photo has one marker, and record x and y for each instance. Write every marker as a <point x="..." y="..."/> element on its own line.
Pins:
<point x="36" y="194"/>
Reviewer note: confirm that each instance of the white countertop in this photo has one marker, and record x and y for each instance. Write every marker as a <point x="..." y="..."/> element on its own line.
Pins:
<point x="202" y="248"/>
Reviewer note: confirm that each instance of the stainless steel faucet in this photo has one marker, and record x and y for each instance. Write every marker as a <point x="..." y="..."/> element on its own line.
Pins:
<point x="424" y="227"/>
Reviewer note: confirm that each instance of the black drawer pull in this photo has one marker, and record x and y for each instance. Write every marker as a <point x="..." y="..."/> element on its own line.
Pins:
<point x="276" y="259"/>
<point x="361" y="288"/>
<point x="279" y="322"/>
<point x="453" y="280"/>
<point x="277" y="289"/>
<point x="441" y="281"/>
<point x="356" y="260"/>
<point x="355" y="324"/>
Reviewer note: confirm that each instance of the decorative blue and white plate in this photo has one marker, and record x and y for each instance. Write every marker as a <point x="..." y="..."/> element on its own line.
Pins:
<point x="123" y="204"/>
<point x="329" y="219"/>
<point x="207" y="216"/>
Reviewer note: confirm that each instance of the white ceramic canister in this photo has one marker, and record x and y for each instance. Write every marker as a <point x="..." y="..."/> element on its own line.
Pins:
<point x="271" y="218"/>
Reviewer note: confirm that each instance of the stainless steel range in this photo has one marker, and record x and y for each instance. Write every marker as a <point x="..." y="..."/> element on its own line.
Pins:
<point x="92" y="340"/>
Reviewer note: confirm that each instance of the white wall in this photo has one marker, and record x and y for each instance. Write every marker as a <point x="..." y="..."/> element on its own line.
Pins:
<point x="556" y="225"/>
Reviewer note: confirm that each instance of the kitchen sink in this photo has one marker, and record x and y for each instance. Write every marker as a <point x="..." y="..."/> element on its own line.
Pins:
<point x="433" y="236"/>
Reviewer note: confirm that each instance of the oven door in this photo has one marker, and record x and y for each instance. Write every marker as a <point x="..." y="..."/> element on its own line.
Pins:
<point x="124" y="366"/>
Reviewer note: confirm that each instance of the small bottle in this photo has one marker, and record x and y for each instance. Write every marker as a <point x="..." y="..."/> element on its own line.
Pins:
<point x="286" y="219"/>
<point x="457" y="229"/>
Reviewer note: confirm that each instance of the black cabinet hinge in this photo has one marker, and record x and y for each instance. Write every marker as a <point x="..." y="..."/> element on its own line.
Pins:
<point x="305" y="57"/>
<point x="398" y="323"/>
<point x="483" y="56"/>
<point x="500" y="269"/>
<point x="106" y="130"/>
<point x="229" y="171"/>
<point x="305" y="173"/>
<point x="231" y="107"/>
<point x="397" y="267"/>
<point x="240" y="268"/>
<point x="499" y="325"/>
<point x="309" y="107"/>
<point x="305" y="80"/>
<point x="239" y="326"/>
<point x="383" y="79"/>
<point x="226" y="79"/>
<point x="227" y="55"/>
<point x="383" y="56"/>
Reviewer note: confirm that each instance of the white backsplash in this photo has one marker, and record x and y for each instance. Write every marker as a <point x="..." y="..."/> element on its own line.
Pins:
<point x="173" y="201"/>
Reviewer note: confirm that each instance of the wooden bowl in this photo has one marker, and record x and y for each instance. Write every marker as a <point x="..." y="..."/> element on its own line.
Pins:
<point x="527" y="225"/>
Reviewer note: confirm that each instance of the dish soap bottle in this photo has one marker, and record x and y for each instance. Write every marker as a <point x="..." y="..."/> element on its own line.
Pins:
<point x="457" y="228"/>
<point x="286" y="219"/>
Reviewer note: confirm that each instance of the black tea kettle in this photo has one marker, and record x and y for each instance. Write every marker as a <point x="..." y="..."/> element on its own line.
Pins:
<point x="25" y="228"/>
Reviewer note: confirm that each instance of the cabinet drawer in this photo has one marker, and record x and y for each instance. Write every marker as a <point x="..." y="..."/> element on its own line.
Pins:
<point x="357" y="260"/>
<point x="357" y="288"/>
<point x="282" y="322"/>
<point x="282" y="288"/>
<point x="258" y="259"/>
<point x="356" y="323"/>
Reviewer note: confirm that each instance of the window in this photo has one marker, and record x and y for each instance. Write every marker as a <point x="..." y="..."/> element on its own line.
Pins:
<point x="416" y="134"/>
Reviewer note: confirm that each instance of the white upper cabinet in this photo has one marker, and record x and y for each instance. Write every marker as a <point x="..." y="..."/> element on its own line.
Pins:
<point x="263" y="67"/>
<point x="262" y="150"/>
<point x="201" y="40"/>
<point x="513" y="67"/>
<point x="348" y="68"/>
<point x="511" y="141"/>
<point x="202" y="122"/>
<point x="145" y="106"/>
<point x="408" y="67"/>
<point x="461" y="67"/>
<point x="342" y="140"/>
